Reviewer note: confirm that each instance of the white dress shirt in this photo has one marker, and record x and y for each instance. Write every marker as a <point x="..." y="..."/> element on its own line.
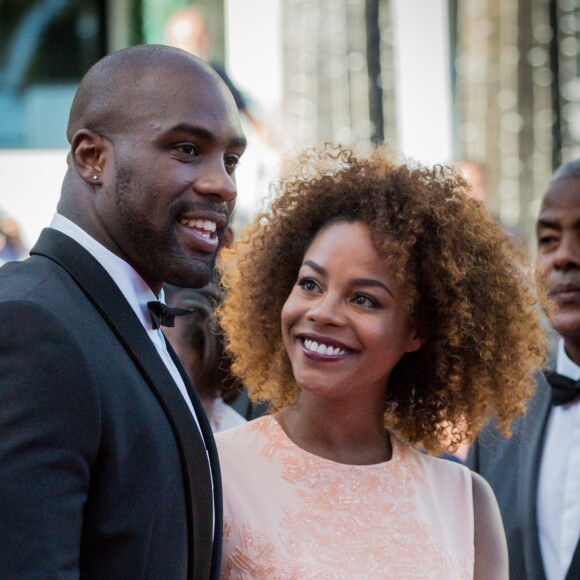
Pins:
<point x="135" y="290"/>
<point x="559" y="482"/>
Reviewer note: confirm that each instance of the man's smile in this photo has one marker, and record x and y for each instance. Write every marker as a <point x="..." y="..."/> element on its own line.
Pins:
<point x="201" y="229"/>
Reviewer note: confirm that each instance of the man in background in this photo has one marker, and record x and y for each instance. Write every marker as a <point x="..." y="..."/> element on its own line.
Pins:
<point x="187" y="29"/>
<point x="536" y="473"/>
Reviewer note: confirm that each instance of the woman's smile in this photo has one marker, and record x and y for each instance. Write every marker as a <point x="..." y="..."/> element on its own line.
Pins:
<point x="322" y="348"/>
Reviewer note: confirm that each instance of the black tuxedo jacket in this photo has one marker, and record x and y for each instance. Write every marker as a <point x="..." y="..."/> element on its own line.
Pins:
<point x="512" y="467"/>
<point x="103" y="471"/>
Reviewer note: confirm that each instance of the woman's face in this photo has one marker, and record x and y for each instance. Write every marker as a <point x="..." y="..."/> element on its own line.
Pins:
<point x="346" y="324"/>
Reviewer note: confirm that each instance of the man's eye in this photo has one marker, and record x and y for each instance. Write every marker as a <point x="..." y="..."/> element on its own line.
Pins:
<point x="231" y="161"/>
<point x="545" y="240"/>
<point x="189" y="149"/>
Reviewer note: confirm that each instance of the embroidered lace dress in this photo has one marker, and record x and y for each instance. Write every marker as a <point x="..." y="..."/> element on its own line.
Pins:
<point x="291" y="515"/>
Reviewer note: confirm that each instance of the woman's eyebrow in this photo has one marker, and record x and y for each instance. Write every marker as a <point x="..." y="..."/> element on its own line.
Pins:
<point x="315" y="266"/>
<point x="372" y="282"/>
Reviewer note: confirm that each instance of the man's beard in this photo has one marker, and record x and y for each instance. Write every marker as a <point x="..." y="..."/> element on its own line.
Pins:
<point x="156" y="253"/>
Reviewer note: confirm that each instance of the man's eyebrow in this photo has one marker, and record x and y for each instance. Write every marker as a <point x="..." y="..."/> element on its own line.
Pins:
<point x="356" y="282"/>
<point x="206" y="134"/>
<point x="544" y="223"/>
<point x="552" y="225"/>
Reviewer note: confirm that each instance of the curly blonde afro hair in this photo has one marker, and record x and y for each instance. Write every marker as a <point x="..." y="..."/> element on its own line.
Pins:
<point x="469" y="286"/>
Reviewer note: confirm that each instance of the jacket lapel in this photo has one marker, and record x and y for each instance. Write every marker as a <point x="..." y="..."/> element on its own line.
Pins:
<point x="215" y="469"/>
<point x="574" y="570"/>
<point x="531" y="455"/>
<point x="106" y="297"/>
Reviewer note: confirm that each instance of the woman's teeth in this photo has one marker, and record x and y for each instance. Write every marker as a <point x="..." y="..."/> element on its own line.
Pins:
<point x="313" y="346"/>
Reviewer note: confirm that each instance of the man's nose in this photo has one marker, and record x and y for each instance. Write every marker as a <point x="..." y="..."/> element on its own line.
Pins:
<point x="568" y="253"/>
<point x="215" y="181"/>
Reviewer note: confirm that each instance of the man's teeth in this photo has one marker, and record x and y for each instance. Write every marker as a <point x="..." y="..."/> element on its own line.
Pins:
<point x="313" y="346"/>
<point x="206" y="227"/>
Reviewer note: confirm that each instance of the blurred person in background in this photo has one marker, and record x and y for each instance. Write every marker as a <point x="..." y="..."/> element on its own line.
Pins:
<point x="474" y="174"/>
<point x="536" y="473"/>
<point x="187" y="29"/>
<point x="199" y="343"/>
<point x="11" y="244"/>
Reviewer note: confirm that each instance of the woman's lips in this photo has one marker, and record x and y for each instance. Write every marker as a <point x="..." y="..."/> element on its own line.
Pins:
<point x="323" y="348"/>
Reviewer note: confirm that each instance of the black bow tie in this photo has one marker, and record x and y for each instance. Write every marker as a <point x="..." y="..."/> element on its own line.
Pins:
<point x="564" y="390"/>
<point x="161" y="314"/>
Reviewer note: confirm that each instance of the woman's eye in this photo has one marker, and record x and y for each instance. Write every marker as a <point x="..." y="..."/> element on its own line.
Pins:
<point x="364" y="300"/>
<point x="307" y="284"/>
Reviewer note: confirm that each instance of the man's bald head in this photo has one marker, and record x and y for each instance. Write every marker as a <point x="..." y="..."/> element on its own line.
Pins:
<point x="115" y="88"/>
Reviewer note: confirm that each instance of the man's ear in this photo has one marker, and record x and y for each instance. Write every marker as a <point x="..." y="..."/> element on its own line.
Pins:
<point x="89" y="154"/>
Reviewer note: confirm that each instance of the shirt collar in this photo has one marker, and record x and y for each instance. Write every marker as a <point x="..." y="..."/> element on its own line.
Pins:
<point x="134" y="288"/>
<point x="564" y="364"/>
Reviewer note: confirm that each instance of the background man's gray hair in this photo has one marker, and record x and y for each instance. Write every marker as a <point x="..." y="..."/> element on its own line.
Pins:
<point x="570" y="169"/>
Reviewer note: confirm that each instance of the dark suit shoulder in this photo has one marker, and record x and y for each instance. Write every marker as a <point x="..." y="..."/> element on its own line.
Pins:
<point x="510" y="466"/>
<point x="18" y="278"/>
<point x="491" y="442"/>
<point x="43" y="367"/>
<point x="50" y="425"/>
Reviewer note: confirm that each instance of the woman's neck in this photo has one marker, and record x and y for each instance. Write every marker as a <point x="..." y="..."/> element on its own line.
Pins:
<point x="336" y="431"/>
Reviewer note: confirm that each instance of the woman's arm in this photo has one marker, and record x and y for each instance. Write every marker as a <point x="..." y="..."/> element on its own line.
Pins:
<point x="491" y="555"/>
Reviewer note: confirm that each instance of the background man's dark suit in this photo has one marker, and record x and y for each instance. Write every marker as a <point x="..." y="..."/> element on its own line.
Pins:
<point x="516" y="487"/>
<point x="135" y="440"/>
<point x="514" y="467"/>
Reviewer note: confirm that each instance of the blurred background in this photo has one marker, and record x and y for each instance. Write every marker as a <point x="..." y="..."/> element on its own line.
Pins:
<point x="492" y="85"/>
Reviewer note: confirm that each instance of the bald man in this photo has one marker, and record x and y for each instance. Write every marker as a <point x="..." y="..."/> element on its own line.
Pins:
<point x="108" y="465"/>
<point x="536" y="473"/>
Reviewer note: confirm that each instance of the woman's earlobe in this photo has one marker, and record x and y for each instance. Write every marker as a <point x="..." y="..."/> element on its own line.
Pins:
<point x="415" y="343"/>
<point x="419" y="337"/>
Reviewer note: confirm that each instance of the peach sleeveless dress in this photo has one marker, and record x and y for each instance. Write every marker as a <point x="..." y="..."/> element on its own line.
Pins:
<point x="291" y="515"/>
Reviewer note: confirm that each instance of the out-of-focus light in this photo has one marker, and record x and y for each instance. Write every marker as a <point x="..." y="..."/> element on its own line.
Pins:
<point x="512" y="122"/>
<point x="509" y="54"/>
<point x="538" y="56"/>
<point x="543" y="76"/>
<point x="506" y="99"/>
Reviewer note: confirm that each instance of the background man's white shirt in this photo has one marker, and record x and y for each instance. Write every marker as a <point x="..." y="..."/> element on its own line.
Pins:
<point x="559" y="482"/>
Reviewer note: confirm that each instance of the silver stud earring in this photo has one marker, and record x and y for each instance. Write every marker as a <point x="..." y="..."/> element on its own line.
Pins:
<point x="95" y="177"/>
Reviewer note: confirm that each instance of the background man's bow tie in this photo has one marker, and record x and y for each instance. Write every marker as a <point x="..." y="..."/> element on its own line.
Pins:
<point x="161" y="314"/>
<point x="564" y="390"/>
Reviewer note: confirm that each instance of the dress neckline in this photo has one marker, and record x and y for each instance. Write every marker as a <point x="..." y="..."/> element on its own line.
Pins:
<point x="279" y="432"/>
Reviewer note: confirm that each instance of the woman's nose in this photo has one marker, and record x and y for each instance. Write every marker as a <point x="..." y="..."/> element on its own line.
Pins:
<point x="327" y="310"/>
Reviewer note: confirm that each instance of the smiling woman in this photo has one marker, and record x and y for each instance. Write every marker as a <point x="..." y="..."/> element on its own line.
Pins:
<point x="346" y="324"/>
<point x="374" y="305"/>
